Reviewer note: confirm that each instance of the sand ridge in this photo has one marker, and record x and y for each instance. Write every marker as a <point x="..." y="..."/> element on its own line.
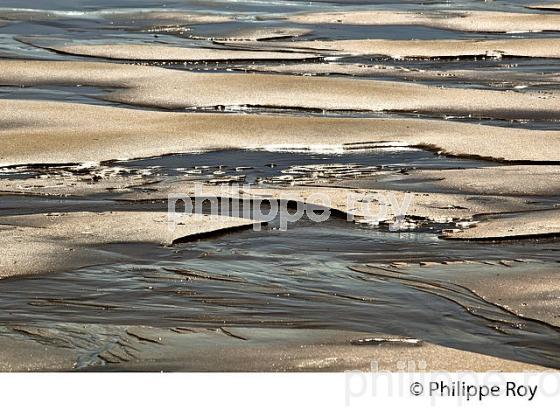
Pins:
<point x="497" y="78"/>
<point x="517" y="47"/>
<point x="256" y="34"/>
<point x="257" y="349"/>
<point x="468" y="20"/>
<point x="145" y="52"/>
<point x="161" y="88"/>
<point x="517" y="226"/>
<point x="44" y="243"/>
<point x="54" y="132"/>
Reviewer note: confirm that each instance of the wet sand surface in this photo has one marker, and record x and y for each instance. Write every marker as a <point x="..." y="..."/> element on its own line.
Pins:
<point x="396" y="49"/>
<point x="107" y="108"/>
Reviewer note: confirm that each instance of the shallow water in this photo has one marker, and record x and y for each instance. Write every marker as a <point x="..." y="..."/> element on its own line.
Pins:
<point x="266" y="166"/>
<point x="296" y="279"/>
<point x="95" y="21"/>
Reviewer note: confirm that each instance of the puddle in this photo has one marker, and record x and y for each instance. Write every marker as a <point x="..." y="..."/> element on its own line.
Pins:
<point x="266" y="166"/>
<point x="244" y="166"/>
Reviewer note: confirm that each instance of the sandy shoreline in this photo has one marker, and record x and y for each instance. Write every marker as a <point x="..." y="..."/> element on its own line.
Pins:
<point x="242" y="349"/>
<point x="464" y="279"/>
<point x="39" y="244"/>
<point x="477" y="21"/>
<point x="158" y="88"/>
<point x="117" y="133"/>
<point x="397" y="49"/>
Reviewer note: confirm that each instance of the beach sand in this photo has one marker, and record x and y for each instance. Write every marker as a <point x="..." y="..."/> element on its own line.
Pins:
<point x="229" y="349"/>
<point x="43" y="243"/>
<point x="120" y="133"/>
<point x="467" y="20"/>
<point x="84" y="92"/>
<point x="153" y="87"/>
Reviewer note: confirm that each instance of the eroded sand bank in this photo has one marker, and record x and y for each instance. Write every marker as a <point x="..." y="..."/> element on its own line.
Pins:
<point x="257" y="34"/>
<point x="369" y="206"/>
<point x="503" y="78"/>
<point x="141" y="348"/>
<point x="43" y="243"/>
<point x="475" y="21"/>
<point x="49" y="132"/>
<point x="517" y="226"/>
<point x="542" y="47"/>
<point x="502" y="283"/>
<point x="141" y="52"/>
<point x="156" y="87"/>
<point x="506" y="180"/>
<point x="431" y="206"/>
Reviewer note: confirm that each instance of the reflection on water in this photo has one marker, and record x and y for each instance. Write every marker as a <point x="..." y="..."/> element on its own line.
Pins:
<point x="296" y="279"/>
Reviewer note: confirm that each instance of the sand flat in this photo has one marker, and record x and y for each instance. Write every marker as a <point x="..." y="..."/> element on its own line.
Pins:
<point x="75" y="185"/>
<point x="303" y="350"/>
<point x="524" y="180"/>
<point x="144" y="348"/>
<point x="161" y="88"/>
<point x="51" y="132"/>
<point x="118" y="16"/>
<point x="424" y="205"/>
<point x="431" y="206"/>
<point x="502" y="283"/>
<point x="45" y="243"/>
<point x="257" y="34"/>
<point x="28" y="355"/>
<point x="168" y="16"/>
<point x="468" y="20"/>
<point x="516" y="226"/>
<point x="538" y="48"/>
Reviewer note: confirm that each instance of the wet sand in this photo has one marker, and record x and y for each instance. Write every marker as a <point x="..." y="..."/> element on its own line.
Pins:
<point x="85" y="233"/>
<point x="166" y="90"/>
<point x="119" y="133"/>
<point x="247" y="349"/>
<point x="39" y="244"/>
<point x="397" y="49"/>
<point x="502" y="283"/>
<point x="476" y="21"/>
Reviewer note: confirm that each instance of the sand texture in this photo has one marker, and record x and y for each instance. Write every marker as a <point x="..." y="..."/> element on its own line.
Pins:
<point x="543" y="48"/>
<point x="473" y="21"/>
<point x="43" y="243"/>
